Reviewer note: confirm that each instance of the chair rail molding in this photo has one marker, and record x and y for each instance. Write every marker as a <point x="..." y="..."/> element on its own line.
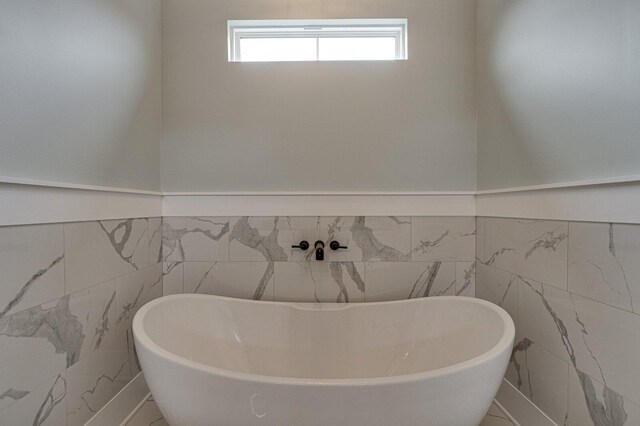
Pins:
<point x="26" y="201"/>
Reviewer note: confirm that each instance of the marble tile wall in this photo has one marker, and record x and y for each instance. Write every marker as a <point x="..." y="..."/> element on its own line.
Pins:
<point x="68" y="293"/>
<point x="388" y="258"/>
<point x="573" y="290"/>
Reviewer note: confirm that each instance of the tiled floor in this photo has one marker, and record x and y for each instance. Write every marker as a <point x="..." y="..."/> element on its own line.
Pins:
<point x="149" y="415"/>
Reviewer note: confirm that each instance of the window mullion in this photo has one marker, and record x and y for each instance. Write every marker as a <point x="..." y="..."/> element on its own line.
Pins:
<point x="394" y="29"/>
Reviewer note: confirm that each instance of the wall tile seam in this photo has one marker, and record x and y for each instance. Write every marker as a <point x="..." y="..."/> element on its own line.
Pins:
<point x="119" y="277"/>
<point x="86" y="354"/>
<point x="326" y="261"/>
<point x="372" y="261"/>
<point x="567" y="373"/>
<point x="84" y="289"/>
<point x="570" y="369"/>
<point x="76" y="292"/>
<point x="363" y="264"/>
<point x="555" y="220"/>
<point x="567" y="272"/>
<point x="569" y="292"/>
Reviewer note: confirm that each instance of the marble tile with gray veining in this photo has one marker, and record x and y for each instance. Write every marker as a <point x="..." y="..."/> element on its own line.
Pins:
<point x="94" y="380"/>
<point x="332" y="282"/>
<point x="45" y="406"/>
<point x="592" y="403"/>
<point x="32" y="265"/>
<point x="133" y="291"/>
<point x="480" y="239"/>
<point x="466" y="279"/>
<point x="292" y="230"/>
<point x="408" y="280"/>
<point x="608" y="347"/>
<point x="155" y="240"/>
<point x="245" y="280"/>
<point x="195" y="239"/>
<point x="172" y="278"/>
<point x="443" y="238"/>
<point x="338" y="228"/>
<point x="540" y="376"/>
<point x="535" y="249"/>
<point x="383" y="239"/>
<point x="100" y="251"/>
<point x="604" y="263"/>
<point x="499" y="287"/>
<point x="95" y="309"/>
<point x="148" y="415"/>
<point x="53" y="322"/>
<point x="600" y="340"/>
<point x="496" y="417"/>
<point x="369" y="239"/>
<point x="258" y="239"/>
<point x="546" y="316"/>
<point x="48" y="336"/>
<point x="129" y="239"/>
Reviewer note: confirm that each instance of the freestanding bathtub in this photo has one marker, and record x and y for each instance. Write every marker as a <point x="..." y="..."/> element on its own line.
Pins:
<point x="213" y="360"/>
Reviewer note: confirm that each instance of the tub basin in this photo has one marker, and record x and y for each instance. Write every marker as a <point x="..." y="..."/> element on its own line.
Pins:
<point x="212" y="360"/>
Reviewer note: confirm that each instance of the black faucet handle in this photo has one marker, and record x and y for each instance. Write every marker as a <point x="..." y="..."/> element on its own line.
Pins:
<point x="304" y="245"/>
<point x="334" y="245"/>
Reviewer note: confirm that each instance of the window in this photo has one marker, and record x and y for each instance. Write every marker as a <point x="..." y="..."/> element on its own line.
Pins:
<point x="318" y="40"/>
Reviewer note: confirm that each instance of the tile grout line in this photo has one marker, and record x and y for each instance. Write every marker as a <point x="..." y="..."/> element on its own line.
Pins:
<point x="564" y="290"/>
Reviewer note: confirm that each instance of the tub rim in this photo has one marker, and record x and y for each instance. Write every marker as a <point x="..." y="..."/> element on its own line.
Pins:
<point x="505" y="342"/>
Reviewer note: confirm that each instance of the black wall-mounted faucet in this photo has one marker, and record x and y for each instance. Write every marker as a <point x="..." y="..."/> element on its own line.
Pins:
<point x="319" y="249"/>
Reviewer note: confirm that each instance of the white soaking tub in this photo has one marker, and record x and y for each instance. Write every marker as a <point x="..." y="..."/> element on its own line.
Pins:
<point x="213" y="360"/>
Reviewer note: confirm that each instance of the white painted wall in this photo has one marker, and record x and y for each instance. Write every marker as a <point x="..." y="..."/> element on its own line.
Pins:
<point x="558" y="85"/>
<point x="80" y="91"/>
<point x="391" y="126"/>
<point x="558" y="91"/>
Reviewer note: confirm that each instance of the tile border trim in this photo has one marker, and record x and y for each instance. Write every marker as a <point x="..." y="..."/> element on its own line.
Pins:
<point x="519" y="408"/>
<point x="122" y="406"/>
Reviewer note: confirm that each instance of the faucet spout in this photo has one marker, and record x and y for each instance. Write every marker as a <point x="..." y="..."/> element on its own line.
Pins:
<point x="319" y="249"/>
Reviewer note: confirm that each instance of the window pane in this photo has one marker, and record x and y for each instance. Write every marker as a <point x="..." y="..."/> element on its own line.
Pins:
<point x="278" y="49"/>
<point x="357" y="48"/>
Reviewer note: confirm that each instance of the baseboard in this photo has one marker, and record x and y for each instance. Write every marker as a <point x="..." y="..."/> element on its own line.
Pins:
<point x="119" y="409"/>
<point x="522" y="411"/>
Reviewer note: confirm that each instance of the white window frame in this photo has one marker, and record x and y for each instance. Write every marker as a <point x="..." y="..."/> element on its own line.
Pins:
<point x="317" y="28"/>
